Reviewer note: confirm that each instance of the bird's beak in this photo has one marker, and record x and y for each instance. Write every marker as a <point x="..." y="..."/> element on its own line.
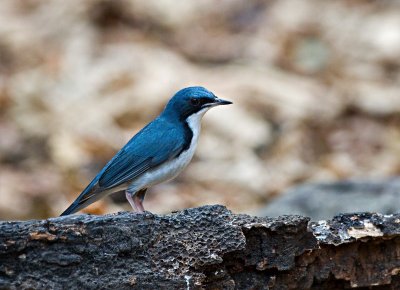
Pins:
<point x="219" y="101"/>
<point x="216" y="102"/>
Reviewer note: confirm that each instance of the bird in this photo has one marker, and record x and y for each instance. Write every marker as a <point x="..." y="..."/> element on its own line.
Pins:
<point x="157" y="153"/>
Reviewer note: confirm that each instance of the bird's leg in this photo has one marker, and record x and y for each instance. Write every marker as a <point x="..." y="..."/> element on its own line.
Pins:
<point x="131" y="202"/>
<point x="138" y="199"/>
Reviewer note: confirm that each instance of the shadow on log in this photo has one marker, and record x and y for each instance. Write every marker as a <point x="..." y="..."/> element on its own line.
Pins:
<point x="201" y="248"/>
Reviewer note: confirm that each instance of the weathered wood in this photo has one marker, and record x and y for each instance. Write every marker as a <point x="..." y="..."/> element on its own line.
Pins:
<point x="200" y="248"/>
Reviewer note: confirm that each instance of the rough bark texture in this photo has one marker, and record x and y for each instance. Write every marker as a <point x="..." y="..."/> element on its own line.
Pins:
<point x="201" y="248"/>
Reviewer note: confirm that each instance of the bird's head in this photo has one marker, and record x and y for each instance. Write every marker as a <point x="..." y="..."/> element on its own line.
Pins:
<point x="192" y="100"/>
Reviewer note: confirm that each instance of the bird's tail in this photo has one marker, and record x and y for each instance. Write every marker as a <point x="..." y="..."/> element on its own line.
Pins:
<point x="88" y="196"/>
<point x="73" y="208"/>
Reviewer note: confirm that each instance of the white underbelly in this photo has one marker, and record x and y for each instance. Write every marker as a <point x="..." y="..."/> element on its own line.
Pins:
<point x="164" y="172"/>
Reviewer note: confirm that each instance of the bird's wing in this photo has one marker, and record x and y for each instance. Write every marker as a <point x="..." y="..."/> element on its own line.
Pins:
<point x="143" y="152"/>
<point x="124" y="168"/>
<point x="153" y="145"/>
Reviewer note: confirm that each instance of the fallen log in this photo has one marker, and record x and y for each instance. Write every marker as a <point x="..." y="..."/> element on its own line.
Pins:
<point x="201" y="248"/>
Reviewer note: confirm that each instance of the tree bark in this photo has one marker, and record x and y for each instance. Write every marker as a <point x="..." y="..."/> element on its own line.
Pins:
<point x="201" y="248"/>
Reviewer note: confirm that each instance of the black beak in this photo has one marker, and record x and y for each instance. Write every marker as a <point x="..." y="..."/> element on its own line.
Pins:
<point x="219" y="101"/>
<point x="216" y="102"/>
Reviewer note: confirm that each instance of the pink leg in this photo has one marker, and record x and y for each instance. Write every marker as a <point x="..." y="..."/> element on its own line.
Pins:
<point x="131" y="201"/>
<point x="139" y="204"/>
<point x="136" y="201"/>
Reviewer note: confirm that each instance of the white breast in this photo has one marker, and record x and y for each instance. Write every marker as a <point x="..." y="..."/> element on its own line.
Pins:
<point x="171" y="169"/>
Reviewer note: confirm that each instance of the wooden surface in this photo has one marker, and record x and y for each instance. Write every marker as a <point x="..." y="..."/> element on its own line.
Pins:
<point x="200" y="248"/>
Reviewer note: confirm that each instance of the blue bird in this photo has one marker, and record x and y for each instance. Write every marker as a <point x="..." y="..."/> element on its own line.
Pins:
<point x="157" y="153"/>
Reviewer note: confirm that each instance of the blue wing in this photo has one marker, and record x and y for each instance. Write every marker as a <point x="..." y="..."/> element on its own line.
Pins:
<point x="143" y="152"/>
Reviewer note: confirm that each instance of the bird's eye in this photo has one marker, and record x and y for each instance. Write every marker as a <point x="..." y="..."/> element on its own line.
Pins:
<point x="194" y="101"/>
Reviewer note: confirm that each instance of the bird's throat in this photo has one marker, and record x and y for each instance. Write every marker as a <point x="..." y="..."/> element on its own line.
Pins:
<point x="194" y="123"/>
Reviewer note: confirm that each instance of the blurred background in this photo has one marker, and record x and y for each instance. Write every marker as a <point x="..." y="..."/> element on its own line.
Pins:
<point x="315" y="86"/>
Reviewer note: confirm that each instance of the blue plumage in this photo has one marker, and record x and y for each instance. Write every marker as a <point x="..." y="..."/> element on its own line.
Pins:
<point x="144" y="151"/>
<point x="155" y="154"/>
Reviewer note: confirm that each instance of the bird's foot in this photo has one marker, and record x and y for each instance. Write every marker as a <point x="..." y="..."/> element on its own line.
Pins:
<point x="136" y="202"/>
